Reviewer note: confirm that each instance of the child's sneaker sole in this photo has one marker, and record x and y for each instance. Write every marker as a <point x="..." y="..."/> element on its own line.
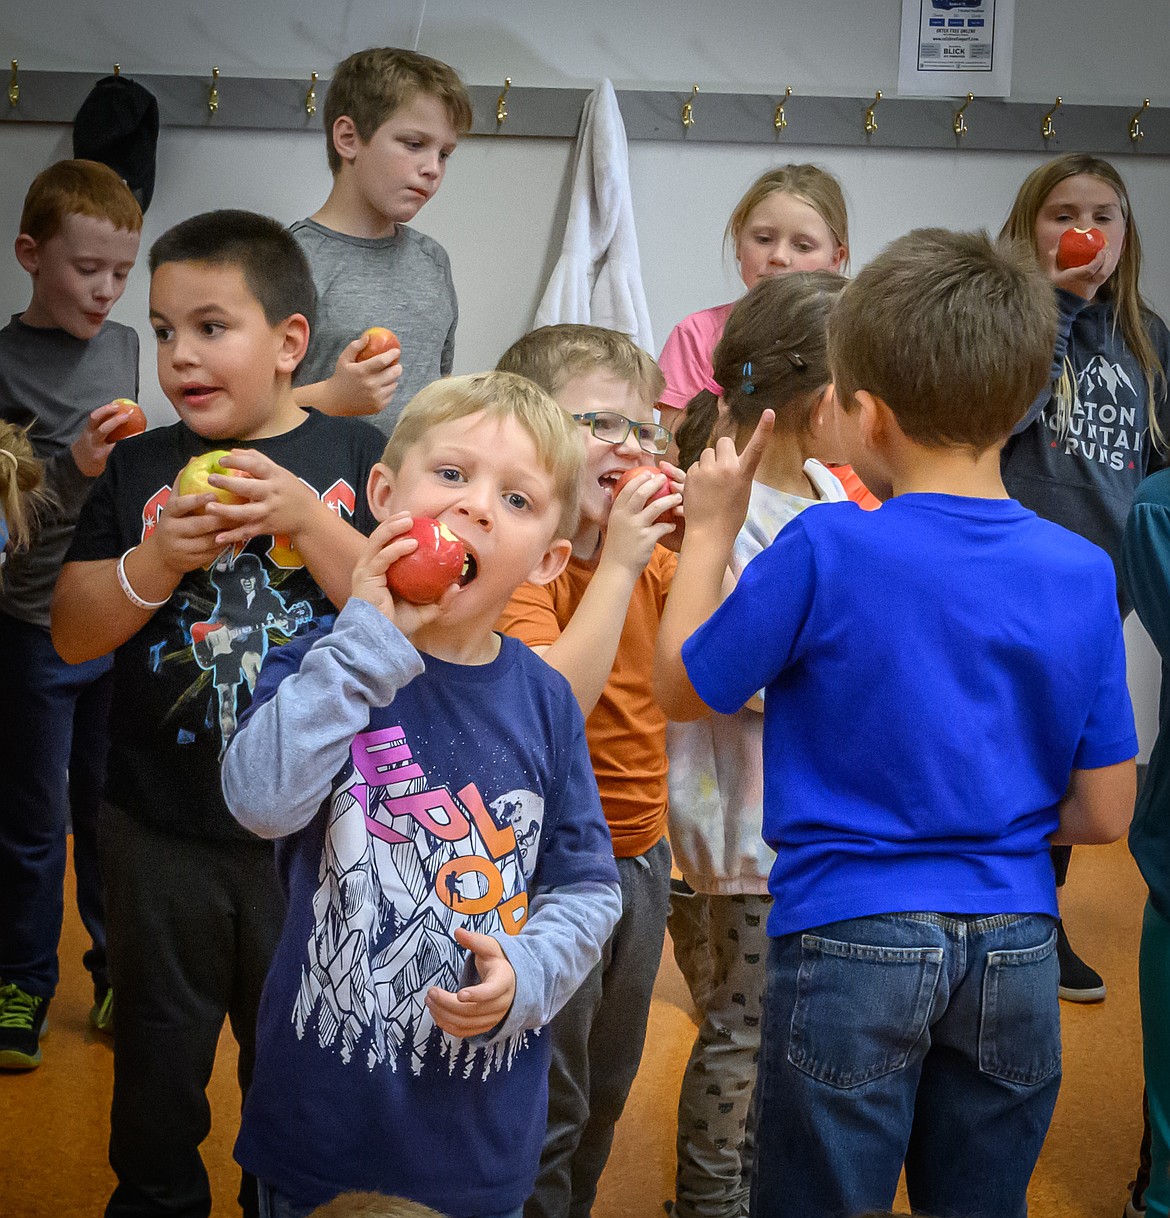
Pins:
<point x="14" y="1059"/>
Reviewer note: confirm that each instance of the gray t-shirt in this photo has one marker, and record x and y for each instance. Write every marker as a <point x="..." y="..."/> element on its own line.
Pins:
<point x="402" y="282"/>
<point x="50" y="381"/>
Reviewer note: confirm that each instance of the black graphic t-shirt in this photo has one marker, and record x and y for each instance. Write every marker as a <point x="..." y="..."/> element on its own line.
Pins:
<point x="1085" y="474"/>
<point x="183" y="680"/>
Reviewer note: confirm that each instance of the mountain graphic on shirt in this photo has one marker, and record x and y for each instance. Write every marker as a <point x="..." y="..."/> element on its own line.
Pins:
<point x="1101" y="376"/>
<point x="393" y="886"/>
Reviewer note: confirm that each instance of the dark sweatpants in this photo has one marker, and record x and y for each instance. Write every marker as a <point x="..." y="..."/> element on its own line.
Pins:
<point x="52" y="771"/>
<point x="191" y="928"/>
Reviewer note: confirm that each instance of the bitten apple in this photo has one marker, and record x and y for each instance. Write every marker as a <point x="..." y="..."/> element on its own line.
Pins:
<point x="134" y="422"/>
<point x="378" y="339"/>
<point x="193" y="477"/>
<point x="422" y="576"/>
<point x="638" y="470"/>
<point x="1078" y="247"/>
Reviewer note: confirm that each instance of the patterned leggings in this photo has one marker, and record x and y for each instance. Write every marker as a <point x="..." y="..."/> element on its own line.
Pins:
<point x="725" y="970"/>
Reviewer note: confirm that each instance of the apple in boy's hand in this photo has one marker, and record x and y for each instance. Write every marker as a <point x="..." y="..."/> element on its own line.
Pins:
<point x="631" y="474"/>
<point x="378" y="340"/>
<point x="193" y="476"/>
<point x="134" y="420"/>
<point x="1078" y="247"/>
<point x="441" y="560"/>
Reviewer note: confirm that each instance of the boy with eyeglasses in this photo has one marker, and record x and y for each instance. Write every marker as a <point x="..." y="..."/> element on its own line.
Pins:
<point x="597" y="624"/>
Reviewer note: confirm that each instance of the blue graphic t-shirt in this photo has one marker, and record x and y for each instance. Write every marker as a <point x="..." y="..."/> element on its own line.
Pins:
<point x="463" y="803"/>
<point x="977" y="653"/>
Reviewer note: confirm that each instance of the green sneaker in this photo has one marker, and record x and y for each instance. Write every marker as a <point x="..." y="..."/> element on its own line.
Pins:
<point x="22" y="1022"/>
<point x="101" y="1014"/>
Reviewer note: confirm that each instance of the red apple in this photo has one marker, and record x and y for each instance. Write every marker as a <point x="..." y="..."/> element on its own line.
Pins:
<point x="422" y="576"/>
<point x="192" y="479"/>
<point x="378" y="339"/>
<point x="133" y="422"/>
<point x="636" y="472"/>
<point x="1078" y="247"/>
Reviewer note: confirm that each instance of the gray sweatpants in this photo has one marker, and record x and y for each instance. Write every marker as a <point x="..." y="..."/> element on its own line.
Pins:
<point x="597" y="1044"/>
<point x="715" y="1130"/>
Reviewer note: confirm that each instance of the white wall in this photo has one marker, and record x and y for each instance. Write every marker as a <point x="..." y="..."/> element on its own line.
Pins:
<point x="501" y="210"/>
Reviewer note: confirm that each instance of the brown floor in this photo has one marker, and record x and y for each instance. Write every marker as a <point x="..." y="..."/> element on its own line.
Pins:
<point x="53" y="1120"/>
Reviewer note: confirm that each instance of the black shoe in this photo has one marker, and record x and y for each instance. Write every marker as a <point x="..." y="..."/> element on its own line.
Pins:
<point x="1135" y="1203"/>
<point x="1078" y="982"/>
<point x="22" y="1020"/>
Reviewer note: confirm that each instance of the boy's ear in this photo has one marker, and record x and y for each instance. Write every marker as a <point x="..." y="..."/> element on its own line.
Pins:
<point x="28" y="253"/>
<point x="552" y="563"/>
<point x="294" y="344"/>
<point x="379" y="488"/>
<point x="873" y="419"/>
<point x="346" y="140"/>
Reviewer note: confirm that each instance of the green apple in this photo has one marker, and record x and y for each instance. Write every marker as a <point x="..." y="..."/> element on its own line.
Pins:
<point x="193" y="477"/>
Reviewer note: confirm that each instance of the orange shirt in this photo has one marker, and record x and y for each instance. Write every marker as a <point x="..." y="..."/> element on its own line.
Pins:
<point x="626" y="731"/>
<point x="855" y="488"/>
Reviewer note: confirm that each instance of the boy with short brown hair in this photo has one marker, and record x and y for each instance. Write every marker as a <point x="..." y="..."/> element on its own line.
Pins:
<point x="448" y="867"/>
<point x="597" y="623"/>
<point x="62" y="365"/>
<point x="192" y="591"/>
<point x="392" y="119"/>
<point x="911" y="1014"/>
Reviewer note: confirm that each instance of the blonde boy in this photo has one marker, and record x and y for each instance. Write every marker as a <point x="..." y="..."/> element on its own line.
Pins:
<point x="448" y="867"/>
<point x="911" y="1009"/>
<point x="392" y="120"/>
<point x="597" y="623"/>
<point x="62" y="364"/>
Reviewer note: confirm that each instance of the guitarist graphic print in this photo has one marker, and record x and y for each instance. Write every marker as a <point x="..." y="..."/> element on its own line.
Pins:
<point x="232" y="644"/>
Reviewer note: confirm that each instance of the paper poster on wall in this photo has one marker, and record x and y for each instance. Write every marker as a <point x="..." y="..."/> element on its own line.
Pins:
<point x="950" y="47"/>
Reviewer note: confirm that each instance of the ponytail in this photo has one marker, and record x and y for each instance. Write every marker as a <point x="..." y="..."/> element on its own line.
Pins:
<point x="698" y="427"/>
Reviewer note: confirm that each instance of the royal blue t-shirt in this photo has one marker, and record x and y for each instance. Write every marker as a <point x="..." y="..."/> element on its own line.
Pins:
<point x="467" y="796"/>
<point x="933" y="672"/>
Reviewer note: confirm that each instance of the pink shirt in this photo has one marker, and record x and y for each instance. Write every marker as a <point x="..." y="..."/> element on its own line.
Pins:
<point x="686" y="358"/>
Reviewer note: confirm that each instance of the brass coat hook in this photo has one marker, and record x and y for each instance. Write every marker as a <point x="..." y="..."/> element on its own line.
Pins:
<point x="1135" y="128"/>
<point x="213" y="92"/>
<point x="688" y="110"/>
<point x="960" y="123"/>
<point x="14" y="85"/>
<point x="1047" y="128"/>
<point x="117" y="69"/>
<point x="501" y="102"/>
<point x="870" y="120"/>
<point x="778" y="119"/>
<point x="311" y="96"/>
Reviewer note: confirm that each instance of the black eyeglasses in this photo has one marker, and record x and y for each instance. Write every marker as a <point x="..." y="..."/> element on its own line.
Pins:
<point x="612" y="428"/>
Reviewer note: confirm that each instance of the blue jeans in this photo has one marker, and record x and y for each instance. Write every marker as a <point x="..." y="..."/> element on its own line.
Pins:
<point x="921" y="1038"/>
<point x="277" y="1205"/>
<point x="52" y="771"/>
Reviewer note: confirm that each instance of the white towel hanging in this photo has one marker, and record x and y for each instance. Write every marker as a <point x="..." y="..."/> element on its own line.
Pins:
<point x="598" y="277"/>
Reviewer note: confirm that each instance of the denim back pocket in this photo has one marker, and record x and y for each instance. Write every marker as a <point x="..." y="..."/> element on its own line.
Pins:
<point x="1019" y="1026"/>
<point x="860" y="1010"/>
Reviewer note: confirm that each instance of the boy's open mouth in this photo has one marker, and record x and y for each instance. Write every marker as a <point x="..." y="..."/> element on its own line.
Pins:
<point x="470" y="568"/>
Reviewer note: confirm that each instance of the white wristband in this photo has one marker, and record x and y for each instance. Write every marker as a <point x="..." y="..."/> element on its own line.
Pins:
<point x="131" y="595"/>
